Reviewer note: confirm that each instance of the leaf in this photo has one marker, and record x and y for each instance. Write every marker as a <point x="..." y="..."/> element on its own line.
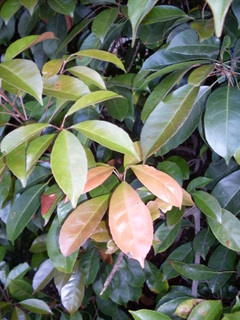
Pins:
<point x="198" y="183"/>
<point x="29" y="4"/>
<point x="23" y="44"/>
<point x="208" y="205"/>
<point x="227" y="231"/>
<point x="81" y="223"/>
<point x="39" y="244"/>
<point x="163" y="13"/>
<point x="101" y="55"/>
<point x="204" y="28"/>
<point x="18" y="314"/>
<point x="221" y="120"/>
<point x="202" y="242"/>
<point x="107" y="134"/>
<point x="88" y="75"/>
<point x="9" y="8"/>
<point x="91" y="99"/>
<point x="69" y="165"/>
<point x="184" y="308"/>
<point x="164" y="236"/>
<point x="64" y="87"/>
<point x="198" y="272"/>
<point x="96" y="176"/>
<point x="219" y="11"/>
<point x="102" y="232"/>
<point x="148" y="315"/>
<point x="51" y="68"/>
<point x="65" y="7"/>
<point x="160" y="184"/>
<point x="43" y="275"/>
<point x="17" y="272"/>
<point x="128" y="159"/>
<point x="20" y="289"/>
<point x="89" y="262"/>
<point x="129" y="219"/>
<point x="103" y="22"/>
<point x="209" y="309"/>
<point x="61" y="263"/>
<point x="167" y="118"/>
<point x="200" y="74"/>
<point x="136" y="12"/>
<point x="20" y="135"/>
<point x="49" y="200"/>
<point x="23" y="209"/>
<point x="36" y="306"/>
<point x="154" y="279"/>
<point x="72" y="292"/>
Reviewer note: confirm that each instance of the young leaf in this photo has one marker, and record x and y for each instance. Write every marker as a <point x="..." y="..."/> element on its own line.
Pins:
<point x="208" y="205"/>
<point x="14" y="73"/>
<point x="130" y="222"/>
<point x="88" y="75"/>
<point x="50" y="199"/>
<point x="36" y="306"/>
<point x="148" y="315"/>
<point x="23" y="44"/>
<point x="108" y="135"/>
<point x="102" y="232"/>
<point x="81" y="223"/>
<point x="20" y="135"/>
<point x="23" y="209"/>
<point x="160" y="184"/>
<point x="96" y="176"/>
<point x="69" y="165"/>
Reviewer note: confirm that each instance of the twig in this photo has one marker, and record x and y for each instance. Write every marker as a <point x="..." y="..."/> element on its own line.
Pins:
<point x="197" y="225"/>
<point x="23" y="107"/>
<point x="12" y="105"/>
<point x="45" y="115"/>
<point x="112" y="273"/>
<point x="11" y="113"/>
<point x="134" y="56"/>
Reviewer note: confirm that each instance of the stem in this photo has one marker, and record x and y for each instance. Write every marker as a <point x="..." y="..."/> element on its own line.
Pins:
<point x="134" y="56"/>
<point x="10" y="112"/>
<point x="197" y="225"/>
<point x="23" y="107"/>
<point x="45" y="115"/>
<point x="112" y="273"/>
<point x="11" y="104"/>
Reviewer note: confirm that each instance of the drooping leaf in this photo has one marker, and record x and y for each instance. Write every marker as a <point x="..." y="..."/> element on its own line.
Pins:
<point x="91" y="99"/>
<point x="29" y="4"/>
<point x="65" y="7"/>
<point x="88" y="75"/>
<point x="226" y="232"/>
<point x="129" y="219"/>
<point x="148" y="315"/>
<point x="36" y="306"/>
<point x="81" y="223"/>
<point x="210" y="309"/>
<point x="72" y="292"/>
<point x="20" y="135"/>
<point x="23" y="44"/>
<point x="219" y="11"/>
<point x="14" y="73"/>
<point x="221" y="121"/>
<point x="103" y="22"/>
<point x="23" y="209"/>
<point x="43" y="275"/>
<point x="160" y="184"/>
<point x="136" y="12"/>
<point x="69" y="165"/>
<point x="108" y="135"/>
<point x="208" y="205"/>
<point x="64" y="87"/>
<point x="167" y="118"/>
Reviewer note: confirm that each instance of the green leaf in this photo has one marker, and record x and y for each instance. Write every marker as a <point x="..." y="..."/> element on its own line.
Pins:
<point x="65" y="7"/>
<point x="199" y="182"/>
<point x="14" y="73"/>
<point x="221" y="120"/>
<point x="101" y="55"/>
<point x="20" y="289"/>
<point x="18" y="314"/>
<point x="103" y="22"/>
<point x="39" y="244"/>
<point x="198" y="272"/>
<point x="43" y="275"/>
<point x="231" y="316"/>
<point x="163" y="13"/>
<point x="136" y="12"/>
<point x="89" y="262"/>
<point x="81" y="223"/>
<point x="154" y="278"/>
<point x="202" y="242"/>
<point x="64" y="87"/>
<point x="148" y="315"/>
<point x="210" y="310"/>
<point x="23" y="44"/>
<point x="208" y="205"/>
<point x="72" y="292"/>
<point x="61" y="263"/>
<point x="36" y="306"/>
<point x="17" y="272"/>
<point x="29" y="4"/>
<point x="20" y="135"/>
<point x="69" y="165"/>
<point x="226" y="232"/>
<point x="51" y="68"/>
<point x="108" y="135"/>
<point x="184" y="308"/>
<point x="200" y="74"/>
<point x="88" y="75"/>
<point x="4" y="116"/>
<point x="219" y="11"/>
<point x="132" y="272"/>
<point x="23" y="209"/>
<point x="92" y="98"/>
<point x="165" y="235"/>
<point x="167" y="118"/>
<point x="9" y="8"/>
<point x="204" y="28"/>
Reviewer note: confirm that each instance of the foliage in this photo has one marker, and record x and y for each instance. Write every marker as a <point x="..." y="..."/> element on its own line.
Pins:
<point x="119" y="163"/>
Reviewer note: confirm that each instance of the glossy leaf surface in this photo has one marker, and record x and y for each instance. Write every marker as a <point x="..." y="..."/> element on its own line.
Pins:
<point x="208" y="205"/>
<point x="88" y="75"/>
<point x="43" y="275"/>
<point x="36" y="306"/>
<point x="96" y="176"/>
<point x="210" y="309"/>
<point x="103" y="22"/>
<point x="148" y="315"/>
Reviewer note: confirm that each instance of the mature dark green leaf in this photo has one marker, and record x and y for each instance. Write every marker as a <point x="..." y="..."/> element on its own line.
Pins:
<point x="20" y="289"/>
<point x="63" y="6"/>
<point x="23" y="209"/>
<point x="165" y="236"/>
<point x="202" y="242"/>
<point x="39" y="244"/>
<point x="18" y="314"/>
<point x="208" y="205"/>
<point x="103" y="22"/>
<point x="154" y="278"/>
<point x="148" y="315"/>
<point x="107" y="307"/>
<point x="199" y="182"/>
<point x="36" y="306"/>
<point x="43" y="275"/>
<point x="98" y="284"/>
<point x="163" y="13"/>
<point x="89" y="262"/>
<point x="211" y="310"/>
<point x="17" y="272"/>
<point x="132" y="272"/>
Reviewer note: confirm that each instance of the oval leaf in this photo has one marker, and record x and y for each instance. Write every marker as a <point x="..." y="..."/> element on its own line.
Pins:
<point x="43" y="275"/>
<point x="69" y="165"/>
<point x="108" y="135"/>
<point x="81" y="223"/>
<point x="129" y="220"/>
<point x="88" y="75"/>
<point x="160" y="184"/>
<point x="36" y="306"/>
<point x="103" y="22"/>
<point x="96" y="176"/>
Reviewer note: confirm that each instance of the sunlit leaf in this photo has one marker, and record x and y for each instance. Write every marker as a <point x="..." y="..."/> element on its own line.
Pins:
<point x="69" y="165"/>
<point x="17" y="272"/>
<point x="204" y="28"/>
<point x="29" y="4"/>
<point x="102" y="232"/>
<point x="63" y="6"/>
<point x="200" y="74"/>
<point x="160" y="184"/>
<point x="81" y="223"/>
<point x="210" y="309"/>
<point x="183" y="310"/>
<point x="129" y="220"/>
<point x="208" y="205"/>
<point x="36" y="306"/>
<point x="51" y="68"/>
<point x="9" y="8"/>
<point x="148" y="315"/>
<point x="43" y="275"/>
<point x="96" y="176"/>
<point x="88" y="75"/>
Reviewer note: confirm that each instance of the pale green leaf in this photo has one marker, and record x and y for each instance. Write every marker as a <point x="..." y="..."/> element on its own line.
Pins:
<point x="51" y="68"/>
<point x="17" y="272"/>
<point x="43" y="275"/>
<point x="163" y="13"/>
<point x="148" y="315"/>
<point x="36" y="306"/>
<point x="210" y="310"/>
<point x="9" y="8"/>
<point x="88" y="75"/>
<point x="29" y="4"/>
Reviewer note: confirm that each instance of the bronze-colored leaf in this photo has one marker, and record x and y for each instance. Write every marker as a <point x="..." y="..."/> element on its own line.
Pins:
<point x="97" y="176"/>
